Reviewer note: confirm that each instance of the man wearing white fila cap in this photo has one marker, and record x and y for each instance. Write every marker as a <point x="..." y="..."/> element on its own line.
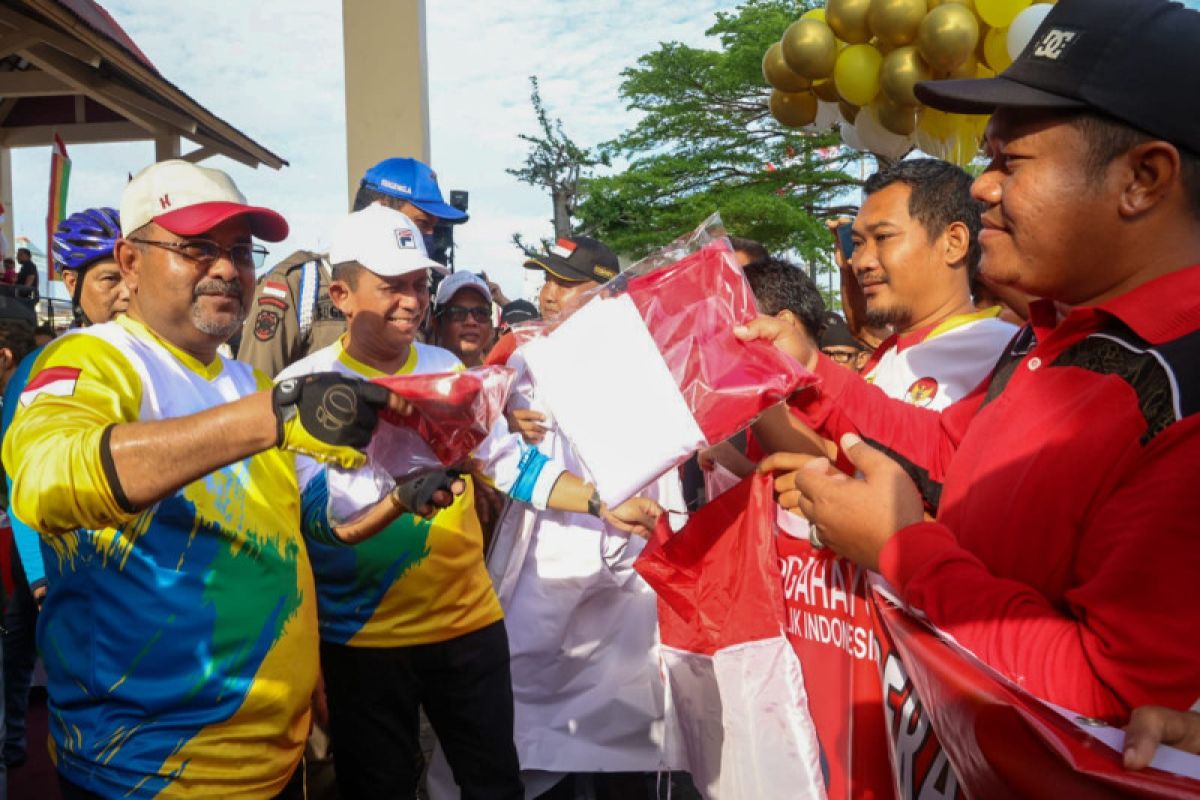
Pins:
<point x="179" y="630"/>
<point x="410" y="619"/>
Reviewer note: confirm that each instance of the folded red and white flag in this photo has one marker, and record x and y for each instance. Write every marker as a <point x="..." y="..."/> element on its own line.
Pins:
<point x="735" y="683"/>
<point x="649" y="371"/>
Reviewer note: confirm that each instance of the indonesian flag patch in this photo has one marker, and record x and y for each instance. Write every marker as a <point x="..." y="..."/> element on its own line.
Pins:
<point x="563" y="248"/>
<point x="273" y="289"/>
<point x="57" y="381"/>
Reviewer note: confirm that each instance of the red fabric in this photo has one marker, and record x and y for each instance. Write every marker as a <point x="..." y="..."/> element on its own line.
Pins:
<point x="505" y="346"/>
<point x="829" y="624"/>
<point x="690" y="308"/>
<point x="716" y="579"/>
<point x="453" y="411"/>
<point x="1064" y="553"/>
<point x="1001" y="741"/>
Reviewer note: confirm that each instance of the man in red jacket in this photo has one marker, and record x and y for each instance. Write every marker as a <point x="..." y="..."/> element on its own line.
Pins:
<point x="1063" y="551"/>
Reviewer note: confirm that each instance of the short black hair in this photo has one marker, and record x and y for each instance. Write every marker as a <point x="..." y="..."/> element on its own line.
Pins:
<point x="755" y="250"/>
<point x="347" y="272"/>
<point x="17" y="336"/>
<point x="366" y="195"/>
<point x="24" y="250"/>
<point x="780" y="285"/>
<point x="1108" y="137"/>
<point x="940" y="196"/>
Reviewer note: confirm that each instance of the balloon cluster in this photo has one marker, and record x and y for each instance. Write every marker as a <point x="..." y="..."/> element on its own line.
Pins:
<point x="854" y="64"/>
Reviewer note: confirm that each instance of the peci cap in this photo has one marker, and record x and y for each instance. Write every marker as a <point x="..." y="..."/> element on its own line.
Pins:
<point x="382" y="240"/>
<point x="577" y="259"/>
<point x="455" y="282"/>
<point x="1135" y="60"/>
<point x="189" y="200"/>
<point x="835" y="333"/>
<point x="412" y="180"/>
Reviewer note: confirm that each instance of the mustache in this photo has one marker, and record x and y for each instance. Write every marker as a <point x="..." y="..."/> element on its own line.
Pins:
<point x="217" y="287"/>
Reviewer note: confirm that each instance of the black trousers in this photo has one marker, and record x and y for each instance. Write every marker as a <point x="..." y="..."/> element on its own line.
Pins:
<point x="465" y="687"/>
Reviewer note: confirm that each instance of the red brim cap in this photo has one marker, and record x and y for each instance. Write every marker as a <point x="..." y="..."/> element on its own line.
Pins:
<point x="200" y="218"/>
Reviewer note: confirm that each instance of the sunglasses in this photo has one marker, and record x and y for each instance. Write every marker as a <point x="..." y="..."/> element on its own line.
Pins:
<point x="480" y="314"/>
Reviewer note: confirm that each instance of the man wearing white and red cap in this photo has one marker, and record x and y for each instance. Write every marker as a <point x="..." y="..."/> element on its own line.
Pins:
<point x="179" y="632"/>
<point x="410" y="620"/>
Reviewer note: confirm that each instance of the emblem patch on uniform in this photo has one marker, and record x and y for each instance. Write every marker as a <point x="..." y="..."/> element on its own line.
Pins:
<point x="922" y="392"/>
<point x="266" y="325"/>
<point x="271" y="301"/>
<point x="57" y="381"/>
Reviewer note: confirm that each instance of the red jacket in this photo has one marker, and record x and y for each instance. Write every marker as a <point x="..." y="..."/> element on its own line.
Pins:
<point x="1066" y="551"/>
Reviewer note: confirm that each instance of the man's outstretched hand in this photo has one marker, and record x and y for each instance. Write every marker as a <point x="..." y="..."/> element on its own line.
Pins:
<point x="784" y="336"/>
<point x="637" y="516"/>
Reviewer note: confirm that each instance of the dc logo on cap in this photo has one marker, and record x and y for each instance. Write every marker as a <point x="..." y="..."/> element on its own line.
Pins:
<point x="405" y="239"/>
<point x="1054" y="44"/>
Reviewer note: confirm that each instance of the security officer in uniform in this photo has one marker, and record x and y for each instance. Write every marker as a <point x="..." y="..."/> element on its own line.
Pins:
<point x="292" y="314"/>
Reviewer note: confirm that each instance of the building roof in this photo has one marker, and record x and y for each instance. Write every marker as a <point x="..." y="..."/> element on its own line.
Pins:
<point x="67" y="67"/>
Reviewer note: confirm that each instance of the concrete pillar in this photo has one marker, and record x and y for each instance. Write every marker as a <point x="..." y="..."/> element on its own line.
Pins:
<point x="166" y="147"/>
<point x="387" y="91"/>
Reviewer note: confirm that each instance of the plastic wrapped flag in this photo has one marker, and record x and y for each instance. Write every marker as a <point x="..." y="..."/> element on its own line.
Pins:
<point x="453" y="412"/>
<point x="735" y="684"/>
<point x="648" y="370"/>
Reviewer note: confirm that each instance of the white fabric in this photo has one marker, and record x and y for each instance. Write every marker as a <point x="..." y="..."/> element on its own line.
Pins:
<point x="383" y="240"/>
<point x="583" y="634"/>
<point x="736" y="756"/>
<point x="623" y="447"/>
<point x="957" y="361"/>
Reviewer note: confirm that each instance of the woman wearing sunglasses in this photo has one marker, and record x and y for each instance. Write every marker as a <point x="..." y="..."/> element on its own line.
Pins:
<point x="462" y="317"/>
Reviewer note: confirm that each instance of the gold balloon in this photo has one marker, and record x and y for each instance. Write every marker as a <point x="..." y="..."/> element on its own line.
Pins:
<point x="814" y="13"/>
<point x="937" y="124"/>
<point x="947" y="36"/>
<point x="849" y="111"/>
<point x="932" y="4"/>
<point x="826" y="90"/>
<point x="775" y="71"/>
<point x="995" y="49"/>
<point x="902" y="69"/>
<point x="895" y="22"/>
<point x="848" y="18"/>
<point x="793" y="109"/>
<point x="967" y="69"/>
<point x="856" y="73"/>
<point x="900" y="120"/>
<point x="1000" y="13"/>
<point x="809" y="48"/>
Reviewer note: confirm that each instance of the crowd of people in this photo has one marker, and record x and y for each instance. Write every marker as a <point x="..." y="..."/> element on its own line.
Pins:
<point x="1005" y="430"/>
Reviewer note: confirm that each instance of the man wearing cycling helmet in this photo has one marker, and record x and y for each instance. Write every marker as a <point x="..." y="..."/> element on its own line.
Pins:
<point x="83" y="249"/>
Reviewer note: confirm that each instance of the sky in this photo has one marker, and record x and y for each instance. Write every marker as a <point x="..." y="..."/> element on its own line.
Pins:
<point x="273" y="69"/>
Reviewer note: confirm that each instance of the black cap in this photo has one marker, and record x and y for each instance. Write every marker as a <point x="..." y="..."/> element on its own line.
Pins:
<point x="518" y="311"/>
<point x="1136" y="60"/>
<point x="577" y="258"/>
<point x="835" y="333"/>
<point x="14" y="309"/>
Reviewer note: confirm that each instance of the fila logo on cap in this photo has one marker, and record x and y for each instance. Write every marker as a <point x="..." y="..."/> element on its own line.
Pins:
<point x="1054" y="44"/>
<point x="563" y="248"/>
<point x="405" y="239"/>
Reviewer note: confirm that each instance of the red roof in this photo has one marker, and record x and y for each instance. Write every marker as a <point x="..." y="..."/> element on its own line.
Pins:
<point x="93" y="15"/>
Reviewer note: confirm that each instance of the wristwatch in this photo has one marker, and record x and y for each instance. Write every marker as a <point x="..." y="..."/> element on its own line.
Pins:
<point x="594" y="503"/>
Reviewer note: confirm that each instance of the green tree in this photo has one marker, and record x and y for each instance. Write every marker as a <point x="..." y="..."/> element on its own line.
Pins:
<point x="554" y="162"/>
<point x="706" y="141"/>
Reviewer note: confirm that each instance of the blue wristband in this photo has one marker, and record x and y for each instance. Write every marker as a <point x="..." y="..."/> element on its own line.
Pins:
<point x="532" y="463"/>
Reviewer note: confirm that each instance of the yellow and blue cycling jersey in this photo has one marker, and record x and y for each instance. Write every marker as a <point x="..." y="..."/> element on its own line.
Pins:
<point x="180" y="642"/>
<point x="418" y="581"/>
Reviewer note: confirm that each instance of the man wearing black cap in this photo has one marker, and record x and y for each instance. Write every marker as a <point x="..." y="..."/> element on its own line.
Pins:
<point x="292" y="315"/>
<point x="837" y="342"/>
<point x="1081" y="589"/>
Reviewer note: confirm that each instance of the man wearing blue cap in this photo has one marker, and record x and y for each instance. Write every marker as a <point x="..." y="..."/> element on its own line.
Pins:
<point x="292" y="314"/>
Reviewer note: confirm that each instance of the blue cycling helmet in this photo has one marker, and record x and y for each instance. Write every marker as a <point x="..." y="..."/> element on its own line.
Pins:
<point x="86" y="237"/>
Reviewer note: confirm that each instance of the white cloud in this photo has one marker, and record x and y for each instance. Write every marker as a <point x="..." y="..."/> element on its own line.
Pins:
<point x="273" y="69"/>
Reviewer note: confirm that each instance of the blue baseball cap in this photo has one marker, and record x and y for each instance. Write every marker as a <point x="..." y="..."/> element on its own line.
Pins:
<point x="411" y="180"/>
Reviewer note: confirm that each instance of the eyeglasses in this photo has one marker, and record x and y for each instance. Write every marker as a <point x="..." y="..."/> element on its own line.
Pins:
<point x="205" y="252"/>
<point x="480" y="314"/>
<point x="841" y="356"/>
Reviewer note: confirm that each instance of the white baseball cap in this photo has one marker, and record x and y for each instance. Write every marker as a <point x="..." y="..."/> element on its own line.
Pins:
<point x="454" y="283"/>
<point x="383" y="241"/>
<point x="188" y="200"/>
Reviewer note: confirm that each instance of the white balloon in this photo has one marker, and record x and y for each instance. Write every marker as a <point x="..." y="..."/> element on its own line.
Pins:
<point x="827" y="116"/>
<point x="878" y="139"/>
<point x="1021" y="31"/>
<point x="850" y="136"/>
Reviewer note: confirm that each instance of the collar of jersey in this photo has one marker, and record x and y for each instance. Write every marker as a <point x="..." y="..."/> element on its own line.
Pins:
<point x="945" y="326"/>
<point x="368" y="371"/>
<point x="140" y="331"/>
